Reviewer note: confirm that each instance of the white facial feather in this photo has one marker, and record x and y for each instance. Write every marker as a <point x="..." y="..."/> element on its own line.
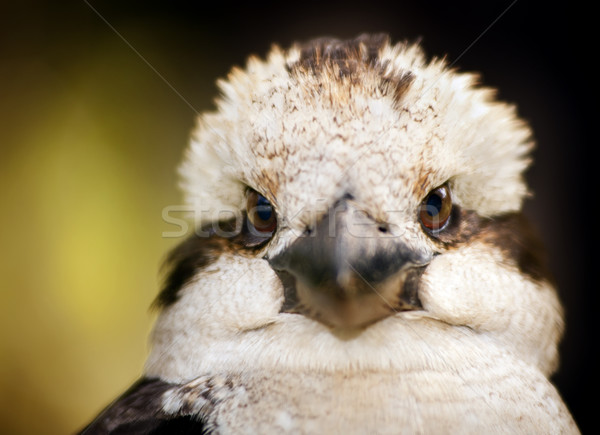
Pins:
<point x="475" y="358"/>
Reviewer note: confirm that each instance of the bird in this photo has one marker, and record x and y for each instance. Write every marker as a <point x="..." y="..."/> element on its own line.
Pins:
<point x="360" y="260"/>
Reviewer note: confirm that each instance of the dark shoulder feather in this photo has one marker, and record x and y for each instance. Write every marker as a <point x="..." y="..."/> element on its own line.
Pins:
<point x="139" y="411"/>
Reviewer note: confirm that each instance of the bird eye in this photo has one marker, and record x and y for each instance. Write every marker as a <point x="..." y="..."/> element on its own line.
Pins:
<point x="435" y="209"/>
<point x="260" y="213"/>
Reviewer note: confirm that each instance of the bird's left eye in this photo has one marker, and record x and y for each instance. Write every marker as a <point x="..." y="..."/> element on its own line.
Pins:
<point x="261" y="214"/>
<point x="436" y="208"/>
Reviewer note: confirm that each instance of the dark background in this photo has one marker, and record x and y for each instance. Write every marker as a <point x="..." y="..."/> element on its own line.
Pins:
<point x="142" y="95"/>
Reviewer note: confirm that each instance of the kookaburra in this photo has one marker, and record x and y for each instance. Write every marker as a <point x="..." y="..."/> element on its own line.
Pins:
<point x="360" y="262"/>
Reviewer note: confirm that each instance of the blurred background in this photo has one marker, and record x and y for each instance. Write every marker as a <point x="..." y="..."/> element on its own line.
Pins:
<point x="97" y="100"/>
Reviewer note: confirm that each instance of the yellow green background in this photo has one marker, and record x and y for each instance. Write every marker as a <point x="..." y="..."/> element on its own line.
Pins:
<point x="90" y="141"/>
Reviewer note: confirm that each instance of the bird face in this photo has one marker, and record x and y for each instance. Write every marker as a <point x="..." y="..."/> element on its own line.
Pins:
<point x="357" y="206"/>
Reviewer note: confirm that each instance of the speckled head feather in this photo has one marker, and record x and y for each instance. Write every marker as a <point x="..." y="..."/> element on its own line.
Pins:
<point x="322" y="113"/>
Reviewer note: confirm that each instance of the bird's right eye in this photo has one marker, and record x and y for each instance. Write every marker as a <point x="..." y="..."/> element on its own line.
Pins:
<point x="261" y="214"/>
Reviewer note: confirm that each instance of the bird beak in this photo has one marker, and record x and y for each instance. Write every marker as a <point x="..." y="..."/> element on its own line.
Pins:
<point x="349" y="270"/>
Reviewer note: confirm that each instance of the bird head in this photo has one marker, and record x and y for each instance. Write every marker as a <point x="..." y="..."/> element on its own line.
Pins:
<point x="353" y="192"/>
